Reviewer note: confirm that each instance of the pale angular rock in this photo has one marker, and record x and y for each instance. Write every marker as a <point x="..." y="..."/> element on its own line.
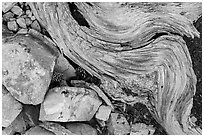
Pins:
<point x="21" y="22"/>
<point x="17" y="10"/>
<point x="118" y="125"/>
<point x="69" y="104"/>
<point x="37" y="130"/>
<point x="12" y="25"/>
<point x="6" y="6"/>
<point x="103" y="113"/>
<point x="7" y="16"/>
<point x="10" y="108"/>
<point x="27" y="65"/>
<point x="35" y="25"/>
<point x="142" y="129"/>
<point x="23" y="31"/>
<point x="81" y="129"/>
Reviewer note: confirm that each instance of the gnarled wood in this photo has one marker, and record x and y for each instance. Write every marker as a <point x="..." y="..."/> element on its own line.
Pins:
<point x="134" y="46"/>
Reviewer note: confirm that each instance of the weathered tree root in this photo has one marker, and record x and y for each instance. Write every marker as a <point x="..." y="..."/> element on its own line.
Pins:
<point x="135" y="47"/>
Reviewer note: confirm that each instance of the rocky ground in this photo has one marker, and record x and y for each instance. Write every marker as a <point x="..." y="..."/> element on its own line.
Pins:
<point x="87" y="113"/>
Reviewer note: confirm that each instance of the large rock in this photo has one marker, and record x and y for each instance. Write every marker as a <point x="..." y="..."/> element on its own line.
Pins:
<point x="81" y="129"/>
<point x="69" y="104"/>
<point x="27" y="65"/>
<point x="10" y="108"/>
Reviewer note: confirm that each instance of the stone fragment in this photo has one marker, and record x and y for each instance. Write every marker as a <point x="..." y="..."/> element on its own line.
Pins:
<point x="69" y="104"/>
<point x="35" y="25"/>
<point x="18" y="125"/>
<point x="32" y="18"/>
<point x="118" y="125"/>
<point x="56" y="128"/>
<point x="17" y="10"/>
<point x="103" y="113"/>
<point x="28" y="21"/>
<point x="7" y="16"/>
<point x="23" y="31"/>
<point x="37" y="130"/>
<point x="6" y="6"/>
<point x="10" y="108"/>
<point x="81" y="129"/>
<point x="12" y="25"/>
<point x="29" y="13"/>
<point x="63" y="66"/>
<point x="21" y="22"/>
<point x="27" y="66"/>
<point x="142" y="129"/>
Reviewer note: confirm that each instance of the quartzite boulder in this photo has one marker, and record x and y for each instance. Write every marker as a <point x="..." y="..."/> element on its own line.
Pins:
<point x="10" y="108"/>
<point x="65" y="104"/>
<point x="27" y="65"/>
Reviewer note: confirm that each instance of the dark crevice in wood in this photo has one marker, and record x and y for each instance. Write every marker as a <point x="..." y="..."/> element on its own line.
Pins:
<point x="77" y="15"/>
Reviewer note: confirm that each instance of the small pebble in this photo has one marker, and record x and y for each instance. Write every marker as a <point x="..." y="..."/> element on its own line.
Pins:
<point x="33" y="18"/>
<point x="7" y="16"/>
<point x="21" y="22"/>
<point x="12" y="25"/>
<point x="17" y="10"/>
<point x="29" y="13"/>
<point x="36" y="26"/>
<point x="28" y="21"/>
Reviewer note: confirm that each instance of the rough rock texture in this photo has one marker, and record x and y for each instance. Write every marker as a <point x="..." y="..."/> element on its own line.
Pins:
<point x="37" y="130"/>
<point x="103" y="113"/>
<point x="81" y="129"/>
<point x="118" y="125"/>
<point x="6" y="6"/>
<point x="21" y="22"/>
<point x="12" y="25"/>
<point x="141" y="129"/>
<point x="27" y="65"/>
<point x="17" y="126"/>
<point x="7" y="16"/>
<point x="10" y="108"/>
<point x="69" y="104"/>
<point x="17" y="10"/>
